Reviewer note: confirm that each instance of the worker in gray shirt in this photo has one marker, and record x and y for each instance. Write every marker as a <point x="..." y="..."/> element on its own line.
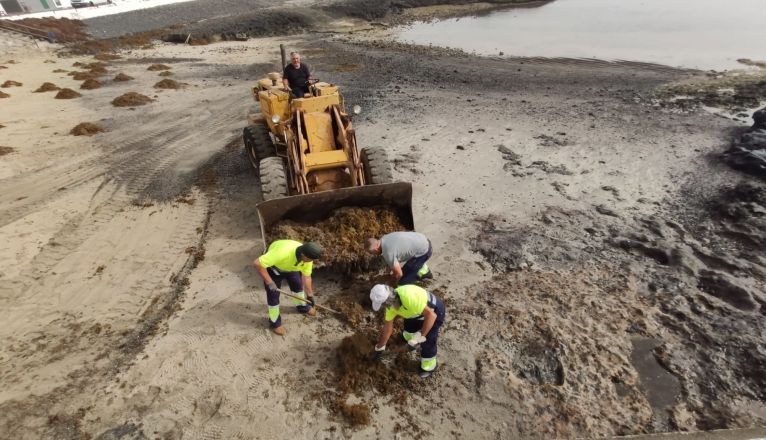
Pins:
<point x="405" y="253"/>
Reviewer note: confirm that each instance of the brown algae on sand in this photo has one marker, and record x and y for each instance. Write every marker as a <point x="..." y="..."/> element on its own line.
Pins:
<point x="90" y="84"/>
<point x="81" y="76"/>
<point x="86" y="129"/>
<point x="157" y="67"/>
<point x="4" y="95"/>
<point x="67" y="94"/>
<point x="11" y="83"/>
<point x="342" y="235"/>
<point x="358" y="372"/>
<point x="131" y="99"/>
<point x="122" y="77"/>
<point x="6" y="150"/>
<point x="166" y="73"/>
<point x="47" y="87"/>
<point x="168" y="84"/>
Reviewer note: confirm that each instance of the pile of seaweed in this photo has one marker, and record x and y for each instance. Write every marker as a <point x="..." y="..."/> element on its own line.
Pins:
<point x="343" y="234"/>
<point x="358" y="374"/>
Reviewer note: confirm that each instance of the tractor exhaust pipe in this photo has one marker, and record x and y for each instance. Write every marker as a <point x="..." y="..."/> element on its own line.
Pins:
<point x="283" y="51"/>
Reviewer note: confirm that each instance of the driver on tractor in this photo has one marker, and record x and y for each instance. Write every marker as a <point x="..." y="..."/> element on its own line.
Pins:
<point x="296" y="76"/>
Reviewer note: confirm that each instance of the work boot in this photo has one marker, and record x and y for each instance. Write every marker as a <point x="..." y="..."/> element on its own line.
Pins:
<point x="306" y="310"/>
<point x="427" y="276"/>
<point x="426" y="374"/>
<point x="279" y="330"/>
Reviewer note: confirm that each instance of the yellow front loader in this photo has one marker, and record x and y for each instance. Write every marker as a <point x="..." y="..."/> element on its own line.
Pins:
<point x="305" y="152"/>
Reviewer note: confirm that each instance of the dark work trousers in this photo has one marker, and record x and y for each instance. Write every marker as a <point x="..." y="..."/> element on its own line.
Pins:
<point x="294" y="280"/>
<point x="428" y="348"/>
<point x="413" y="265"/>
<point x="299" y="91"/>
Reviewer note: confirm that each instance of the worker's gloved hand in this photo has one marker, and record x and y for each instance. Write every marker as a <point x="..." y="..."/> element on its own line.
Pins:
<point x="377" y="355"/>
<point x="310" y="300"/>
<point x="272" y="286"/>
<point x="416" y="339"/>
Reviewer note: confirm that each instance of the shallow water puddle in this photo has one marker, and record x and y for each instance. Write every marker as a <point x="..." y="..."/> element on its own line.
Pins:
<point x="702" y="34"/>
<point x="661" y="387"/>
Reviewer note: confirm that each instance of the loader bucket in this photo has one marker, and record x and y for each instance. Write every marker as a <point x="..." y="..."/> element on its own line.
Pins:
<point x="319" y="206"/>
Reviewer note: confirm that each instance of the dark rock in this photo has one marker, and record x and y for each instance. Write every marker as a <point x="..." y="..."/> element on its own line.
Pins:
<point x="509" y="155"/>
<point x="550" y="169"/>
<point x="601" y="209"/>
<point x="748" y="153"/>
<point x="759" y="118"/>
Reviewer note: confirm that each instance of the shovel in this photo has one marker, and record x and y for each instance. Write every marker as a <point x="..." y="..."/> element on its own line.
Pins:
<point x="306" y="301"/>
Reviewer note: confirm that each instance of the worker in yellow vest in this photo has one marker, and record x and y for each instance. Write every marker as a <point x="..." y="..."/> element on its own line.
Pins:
<point x="423" y="315"/>
<point x="291" y="261"/>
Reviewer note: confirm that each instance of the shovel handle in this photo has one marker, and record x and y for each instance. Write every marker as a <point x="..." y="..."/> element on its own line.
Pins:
<point x="306" y="301"/>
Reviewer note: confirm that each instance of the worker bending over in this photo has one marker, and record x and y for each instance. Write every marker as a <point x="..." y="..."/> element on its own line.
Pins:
<point x="292" y="261"/>
<point x="405" y="253"/>
<point x="423" y="315"/>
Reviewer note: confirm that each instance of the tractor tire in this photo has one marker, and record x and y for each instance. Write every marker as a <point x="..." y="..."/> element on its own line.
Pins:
<point x="377" y="168"/>
<point x="258" y="145"/>
<point x="273" y="179"/>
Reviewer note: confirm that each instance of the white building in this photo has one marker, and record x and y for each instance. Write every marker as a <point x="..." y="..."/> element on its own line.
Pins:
<point x="29" y="6"/>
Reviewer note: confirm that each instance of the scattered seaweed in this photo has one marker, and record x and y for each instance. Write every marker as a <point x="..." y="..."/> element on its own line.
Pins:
<point x="166" y="73"/>
<point x="4" y="95"/>
<point x="97" y="68"/>
<point x="749" y="62"/>
<point x="122" y="77"/>
<point x="6" y="150"/>
<point x="63" y="30"/>
<point x="131" y="99"/>
<point x="157" y="67"/>
<point x="86" y="129"/>
<point x="47" y="87"/>
<point x="60" y="71"/>
<point x="82" y="76"/>
<point x="358" y="372"/>
<point x="168" y="84"/>
<point x="90" y="84"/>
<point x="11" y="83"/>
<point x="67" y="93"/>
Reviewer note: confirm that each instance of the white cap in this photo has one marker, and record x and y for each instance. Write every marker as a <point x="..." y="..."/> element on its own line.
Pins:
<point x="380" y="294"/>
